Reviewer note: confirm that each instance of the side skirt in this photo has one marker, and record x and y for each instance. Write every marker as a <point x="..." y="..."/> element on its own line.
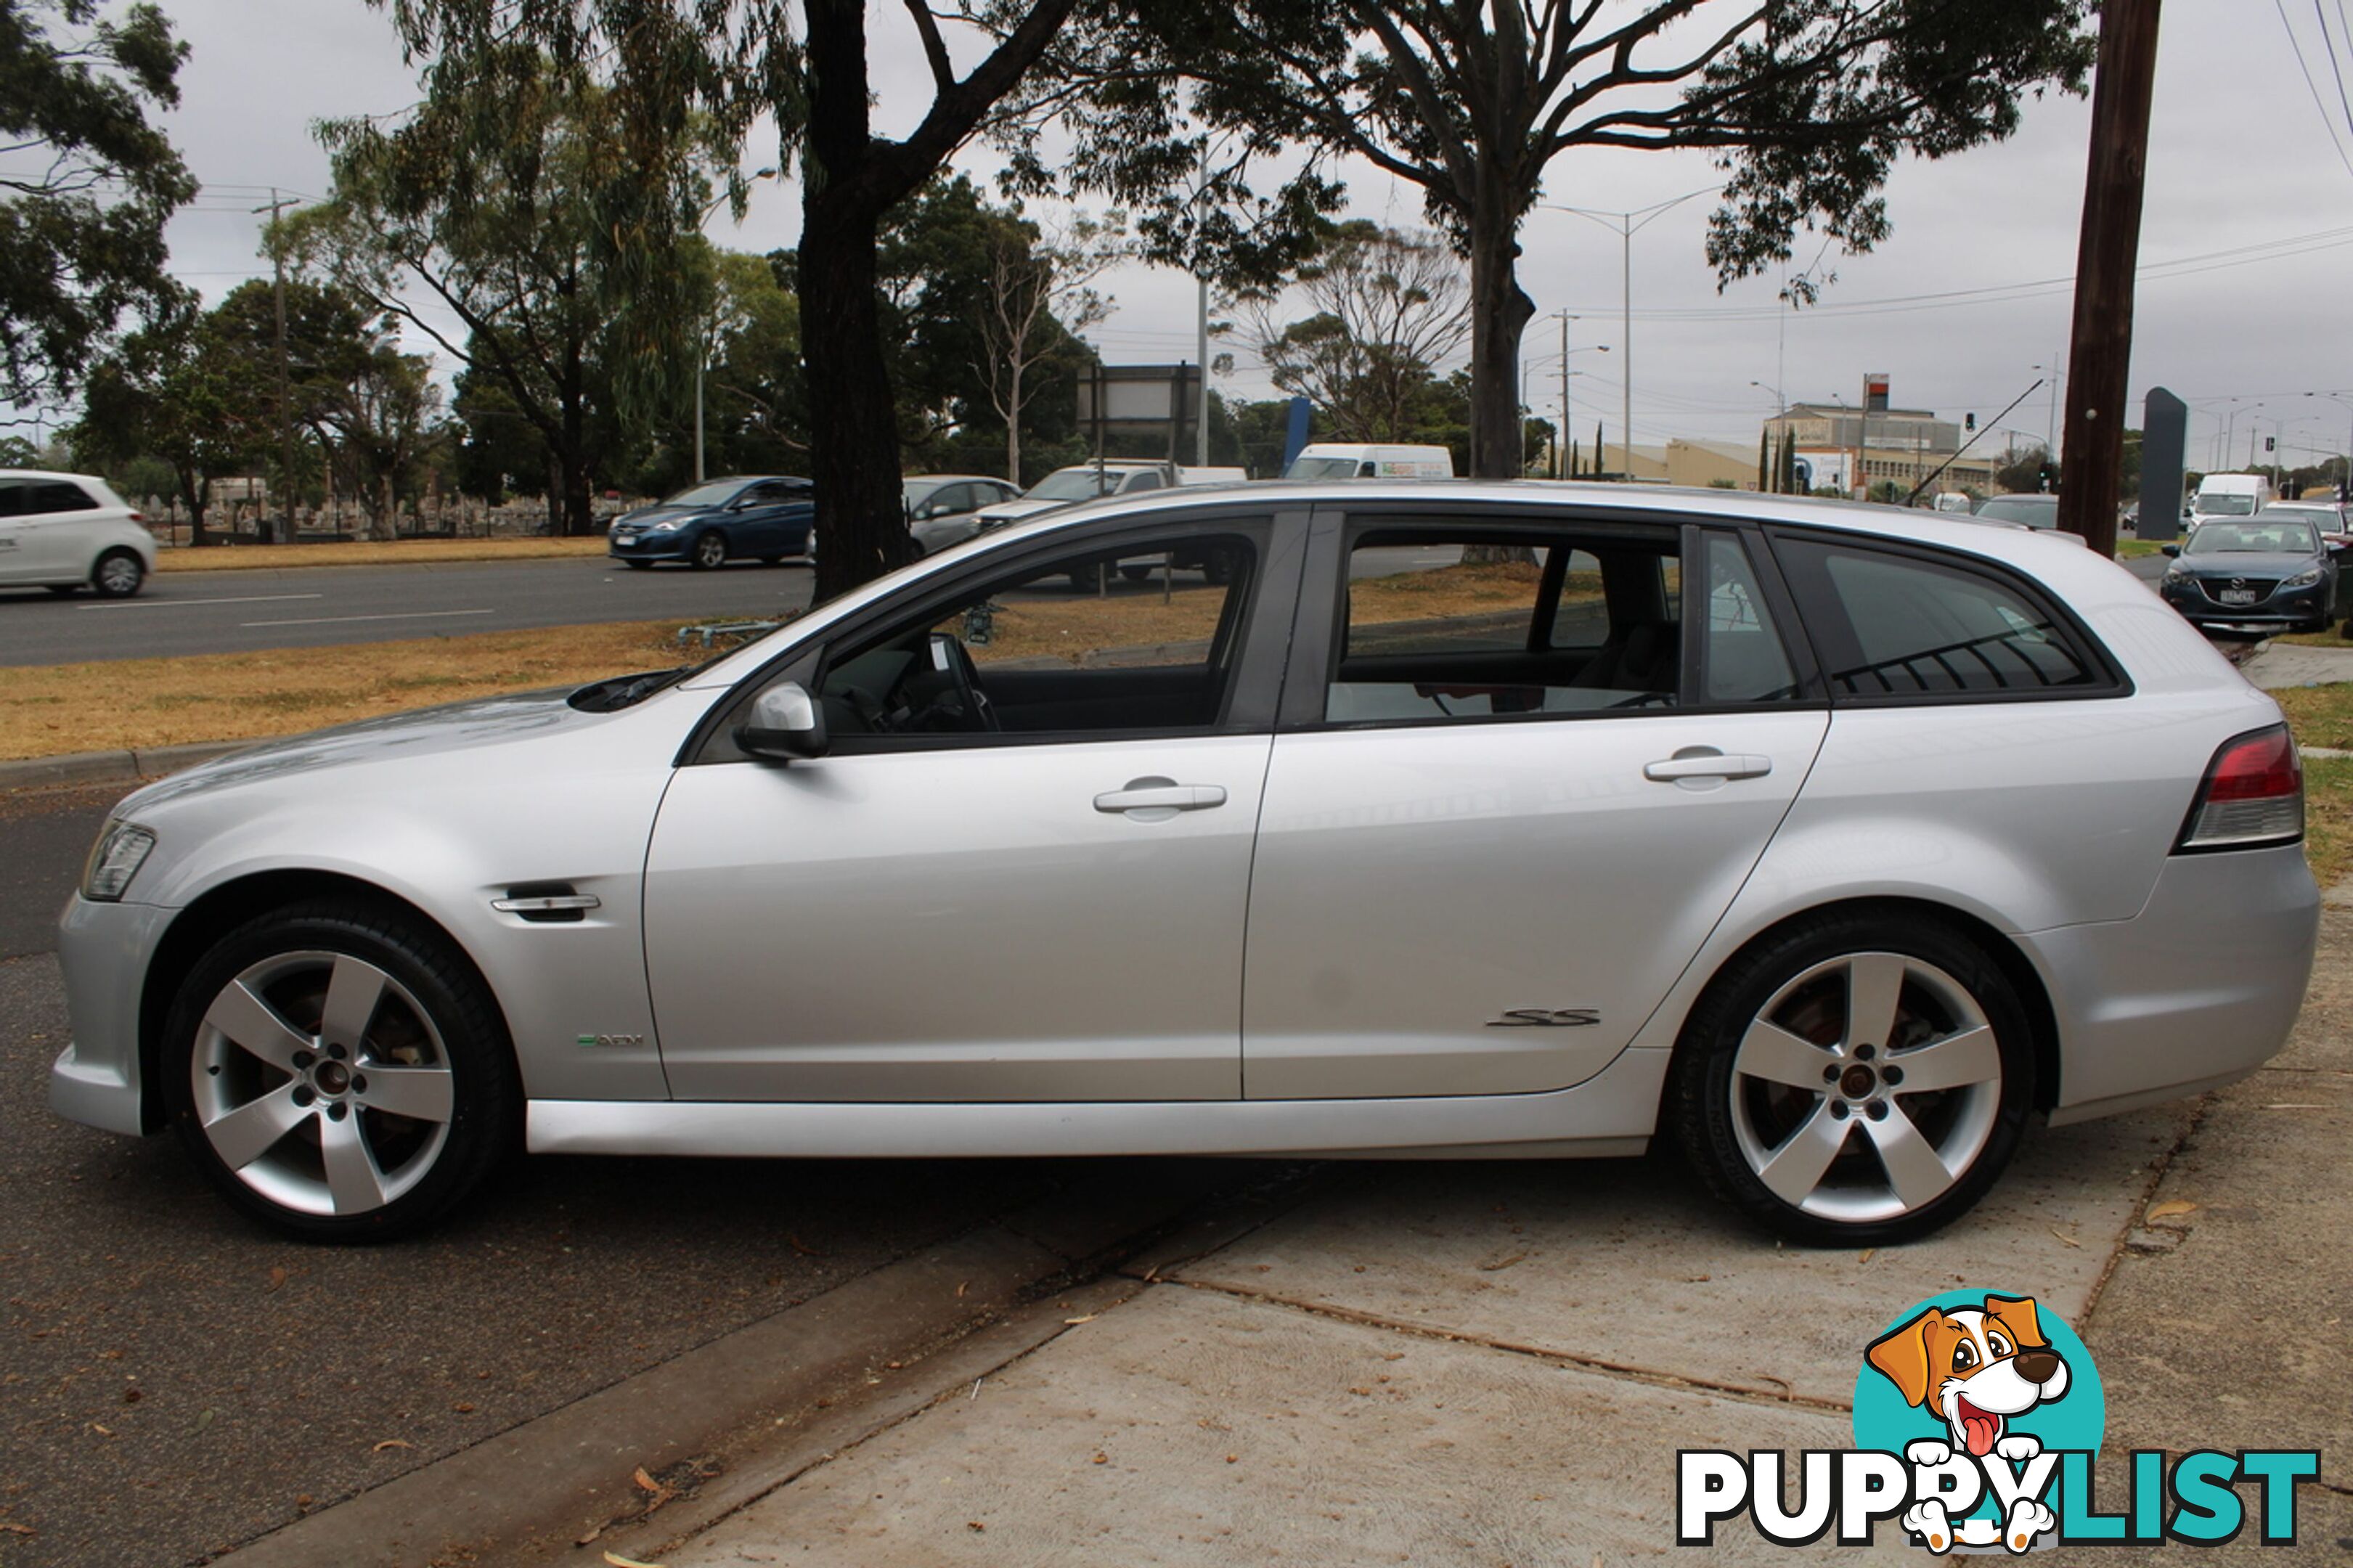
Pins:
<point x="1610" y="1115"/>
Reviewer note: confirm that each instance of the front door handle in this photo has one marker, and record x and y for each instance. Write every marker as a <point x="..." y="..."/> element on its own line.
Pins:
<point x="1706" y="762"/>
<point x="1158" y="799"/>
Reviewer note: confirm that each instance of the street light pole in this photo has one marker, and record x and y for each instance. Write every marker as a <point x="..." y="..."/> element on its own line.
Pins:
<point x="1623" y="222"/>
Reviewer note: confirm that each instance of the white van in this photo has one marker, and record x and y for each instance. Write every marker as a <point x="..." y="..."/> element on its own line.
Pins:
<point x="2230" y="495"/>
<point x="1356" y="461"/>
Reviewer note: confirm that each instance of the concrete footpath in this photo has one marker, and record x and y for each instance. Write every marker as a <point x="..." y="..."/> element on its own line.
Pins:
<point x="1495" y="1363"/>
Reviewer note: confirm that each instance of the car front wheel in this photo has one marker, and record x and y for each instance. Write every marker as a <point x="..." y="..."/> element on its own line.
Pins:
<point x="710" y="552"/>
<point x="339" y="1073"/>
<point x="119" y="575"/>
<point x="1858" y="1078"/>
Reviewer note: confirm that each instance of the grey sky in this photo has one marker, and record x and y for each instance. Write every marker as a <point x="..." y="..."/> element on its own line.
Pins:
<point x="2240" y="157"/>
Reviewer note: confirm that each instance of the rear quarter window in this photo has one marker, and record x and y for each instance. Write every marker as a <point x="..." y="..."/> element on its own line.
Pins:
<point x="57" y="495"/>
<point x="1897" y="626"/>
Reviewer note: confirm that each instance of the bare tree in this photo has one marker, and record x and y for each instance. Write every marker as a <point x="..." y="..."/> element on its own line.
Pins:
<point x="1390" y="308"/>
<point x="1041" y="290"/>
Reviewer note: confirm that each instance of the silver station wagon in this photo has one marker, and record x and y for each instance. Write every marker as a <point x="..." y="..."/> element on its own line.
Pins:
<point x="1840" y="844"/>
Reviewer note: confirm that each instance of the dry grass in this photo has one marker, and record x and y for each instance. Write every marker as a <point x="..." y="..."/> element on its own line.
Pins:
<point x="2134" y="549"/>
<point x="130" y="704"/>
<point x="372" y="552"/>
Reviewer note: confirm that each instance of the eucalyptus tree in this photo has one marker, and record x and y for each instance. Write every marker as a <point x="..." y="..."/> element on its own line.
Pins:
<point x="1387" y="313"/>
<point x="90" y="187"/>
<point x="805" y="63"/>
<point x="1804" y="104"/>
<point x="557" y="226"/>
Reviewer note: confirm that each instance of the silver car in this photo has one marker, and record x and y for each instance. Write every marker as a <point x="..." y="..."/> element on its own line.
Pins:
<point x="1839" y="844"/>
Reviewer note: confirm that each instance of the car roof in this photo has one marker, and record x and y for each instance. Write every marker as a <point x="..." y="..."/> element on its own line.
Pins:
<point x="954" y="479"/>
<point x="48" y="474"/>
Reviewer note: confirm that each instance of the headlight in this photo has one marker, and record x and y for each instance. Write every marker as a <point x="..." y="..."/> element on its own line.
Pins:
<point x="2303" y="579"/>
<point x="2175" y="574"/>
<point x="667" y="525"/>
<point x="114" y="860"/>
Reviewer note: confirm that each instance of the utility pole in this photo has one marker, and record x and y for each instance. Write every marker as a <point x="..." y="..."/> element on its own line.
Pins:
<point x="1560" y="447"/>
<point x="2101" y="353"/>
<point x="285" y="399"/>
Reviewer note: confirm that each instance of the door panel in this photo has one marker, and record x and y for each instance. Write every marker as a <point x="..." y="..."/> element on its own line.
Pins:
<point x="961" y="923"/>
<point x="1415" y="888"/>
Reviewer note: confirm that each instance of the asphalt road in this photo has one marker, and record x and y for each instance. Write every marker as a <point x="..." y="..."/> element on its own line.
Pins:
<point x="185" y="613"/>
<point x="176" y="1382"/>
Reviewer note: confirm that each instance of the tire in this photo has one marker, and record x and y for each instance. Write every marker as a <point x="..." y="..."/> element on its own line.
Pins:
<point x="288" y="1111"/>
<point x="1741" y="1105"/>
<point x="119" y="575"/>
<point x="638" y="566"/>
<point x="772" y="561"/>
<point x="1136" y="573"/>
<point x="1087" y="579"/>
<point x="709" y="551"/>
<point x="1218" y="570"/>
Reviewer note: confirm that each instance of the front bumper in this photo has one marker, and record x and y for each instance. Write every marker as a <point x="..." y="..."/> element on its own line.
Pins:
<point x="670" y="546"/>
<point x="2198" y="989"/>
<point x="104" y="951"/>
<point x="2280" y="607"/>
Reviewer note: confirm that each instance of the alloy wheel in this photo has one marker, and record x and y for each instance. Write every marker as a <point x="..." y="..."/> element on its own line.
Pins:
<point x="710" y="550"/>
<point x="1865" y="1087"/>
<point x="321" y="1083"/>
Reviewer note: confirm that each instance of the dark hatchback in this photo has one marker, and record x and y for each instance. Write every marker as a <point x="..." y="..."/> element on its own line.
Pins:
<point x="758" y="517"/>
<point x="2262" y="573"/>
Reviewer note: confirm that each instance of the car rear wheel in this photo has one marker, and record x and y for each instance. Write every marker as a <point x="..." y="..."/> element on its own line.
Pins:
<point x="710" y="552"/>
<point x="119" y="575"/>
<point x="339" y="1073"/>
<point x="1859" y="1079"/>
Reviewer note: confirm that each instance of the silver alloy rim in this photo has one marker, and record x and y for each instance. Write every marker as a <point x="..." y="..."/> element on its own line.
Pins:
<point x="710" y="550"/>
<point x="322" y="1081"/>
<point x="117" y="574"/>
<point x="1867" y="1086"/>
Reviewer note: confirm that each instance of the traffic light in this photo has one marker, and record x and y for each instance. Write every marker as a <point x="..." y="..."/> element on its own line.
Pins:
<point x="1968" y="421"/>
<point x="2048" y="475"/>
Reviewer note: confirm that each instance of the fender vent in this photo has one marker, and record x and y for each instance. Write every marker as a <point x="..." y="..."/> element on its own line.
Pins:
<point x="546" y="903"/>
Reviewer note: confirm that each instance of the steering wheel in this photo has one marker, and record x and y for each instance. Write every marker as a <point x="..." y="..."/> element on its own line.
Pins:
<point x="949" y="653"/>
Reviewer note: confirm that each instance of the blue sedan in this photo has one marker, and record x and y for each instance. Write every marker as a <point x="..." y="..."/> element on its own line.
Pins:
<point x="758" y="517"/>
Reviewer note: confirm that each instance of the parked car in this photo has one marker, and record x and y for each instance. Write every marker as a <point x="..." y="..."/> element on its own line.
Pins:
<point x="69" y="531"/>
<point x="1839" y="845"/>
<point x="2273" y="570"/>
<point x="1090" y="481"/>
<point x="762" y="517"/>
<point x="2027" y="511"/>
<point x="941" y="508"/>
<point x="2231" y="495"/>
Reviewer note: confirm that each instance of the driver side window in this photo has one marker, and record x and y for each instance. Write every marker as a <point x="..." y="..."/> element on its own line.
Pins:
<point x="1140" y="638"/>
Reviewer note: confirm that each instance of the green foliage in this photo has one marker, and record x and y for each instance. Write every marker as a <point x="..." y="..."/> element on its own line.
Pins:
<point x="1388" y="310"/>
<point x="560" y="226"/>
<point x="82" y="241"/>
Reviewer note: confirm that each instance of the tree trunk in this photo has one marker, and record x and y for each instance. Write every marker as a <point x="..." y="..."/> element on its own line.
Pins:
<point x="1013" y="424"/>
<point x="1500" y="309"/>
<point x="854" y="442"/>
<point x="192" y="492"/>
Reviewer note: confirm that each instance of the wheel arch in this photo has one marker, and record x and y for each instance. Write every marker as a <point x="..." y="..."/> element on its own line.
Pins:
<point x="2043" y="1019"/>
<point x="221" y="910"/>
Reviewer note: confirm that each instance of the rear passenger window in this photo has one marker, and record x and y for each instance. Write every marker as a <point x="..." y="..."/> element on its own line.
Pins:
<point x="1527" y="624"/>
<point x="1897" y="626"/>
<point x="1745" y="660"/>
<point x="56" y="495"/>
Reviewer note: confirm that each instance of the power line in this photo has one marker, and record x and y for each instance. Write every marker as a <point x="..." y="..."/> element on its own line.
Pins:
<point x="2326" y="119"/>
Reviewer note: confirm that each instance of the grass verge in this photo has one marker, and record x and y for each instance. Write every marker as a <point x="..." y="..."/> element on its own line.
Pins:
<point x="371" y="552"/>
<point x="131" y="704"/>
<point x="2323" y="716"/>
<point x="2134" y="549"/>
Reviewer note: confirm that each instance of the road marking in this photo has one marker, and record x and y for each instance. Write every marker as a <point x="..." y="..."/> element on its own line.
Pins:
<point x="338" y="620"/>
<point x="177" y="604"/>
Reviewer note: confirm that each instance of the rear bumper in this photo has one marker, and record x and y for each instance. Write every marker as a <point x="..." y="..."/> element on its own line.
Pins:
<point x="103" y="950"/>
<point x="2199" y="988"/>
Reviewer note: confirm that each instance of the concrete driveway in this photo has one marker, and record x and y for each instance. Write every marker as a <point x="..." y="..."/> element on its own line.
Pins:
<point x="1495" y="1363"/>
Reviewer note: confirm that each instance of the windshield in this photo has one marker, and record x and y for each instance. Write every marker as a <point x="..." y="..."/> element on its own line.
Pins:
<point x="2215" y="503"/>
<point x="1073" y="484"/>
<point x="2035" y="513"/>
<point x="718" y="492"/>
<point x="1322" y="468"/>
<point x="2269" y="538"/>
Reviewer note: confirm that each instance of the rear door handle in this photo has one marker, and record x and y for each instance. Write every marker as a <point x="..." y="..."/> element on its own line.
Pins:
<point x="1708" y="763"/>
<point x="1158" y="799"/>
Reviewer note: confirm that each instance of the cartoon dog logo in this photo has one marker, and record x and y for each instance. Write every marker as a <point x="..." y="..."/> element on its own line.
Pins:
<point x="1974" y="1369"/>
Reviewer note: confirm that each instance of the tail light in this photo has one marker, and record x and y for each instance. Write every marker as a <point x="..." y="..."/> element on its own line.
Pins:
<point x="138" y="517"/>
<point x="2252" y="795"/>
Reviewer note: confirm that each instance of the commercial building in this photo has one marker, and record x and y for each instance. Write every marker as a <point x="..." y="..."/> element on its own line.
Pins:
<point x="1856" y="449"/>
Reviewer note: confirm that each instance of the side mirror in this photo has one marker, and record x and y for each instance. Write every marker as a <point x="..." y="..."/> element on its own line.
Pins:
<point x="2169" y="549"/>
<point x="786" y="724"/>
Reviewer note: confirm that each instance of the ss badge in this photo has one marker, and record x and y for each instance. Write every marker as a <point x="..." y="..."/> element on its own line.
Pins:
<point x="1545" y="1018"/>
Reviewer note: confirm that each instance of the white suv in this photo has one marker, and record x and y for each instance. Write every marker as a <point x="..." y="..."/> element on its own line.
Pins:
<point x="63" y="532"/>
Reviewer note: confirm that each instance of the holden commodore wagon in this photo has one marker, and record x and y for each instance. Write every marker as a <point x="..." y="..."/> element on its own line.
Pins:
<point x="1839" y="845"/>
